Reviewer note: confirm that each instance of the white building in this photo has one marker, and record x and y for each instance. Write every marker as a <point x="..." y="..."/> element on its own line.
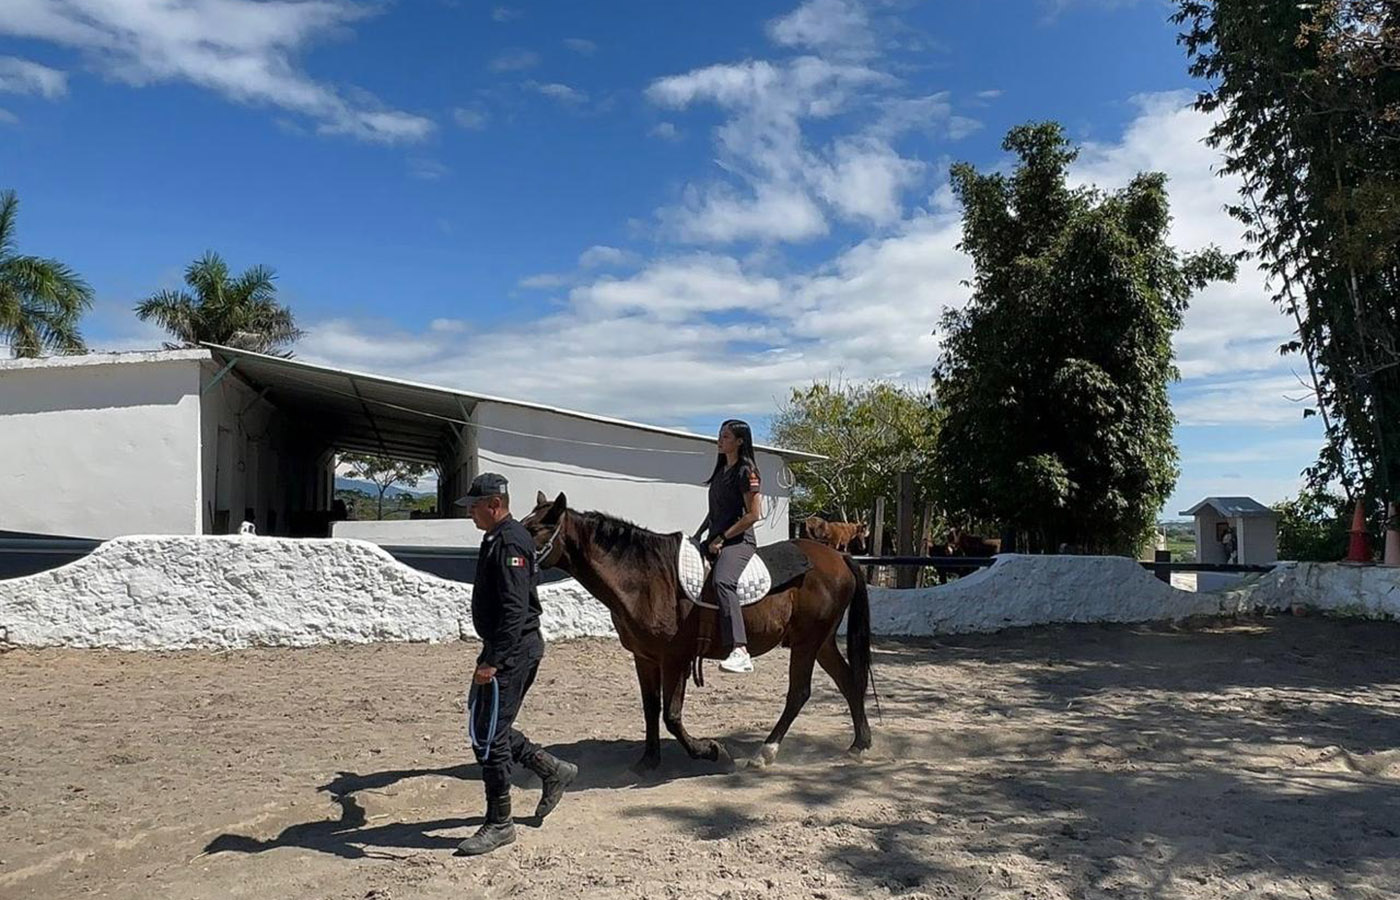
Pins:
<point x="196" y="441"/>
<point x="1255" y="528"/>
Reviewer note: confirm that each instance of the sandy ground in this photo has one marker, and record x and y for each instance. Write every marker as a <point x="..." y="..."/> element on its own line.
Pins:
<point x="1250" y="760"/>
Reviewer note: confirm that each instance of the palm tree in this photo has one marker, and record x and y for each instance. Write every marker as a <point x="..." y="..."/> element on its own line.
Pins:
<point x="238" y="312"/>
<point x="41" y="300"/>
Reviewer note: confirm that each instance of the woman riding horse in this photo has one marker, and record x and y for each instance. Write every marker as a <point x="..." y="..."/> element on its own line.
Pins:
<point x="734" y="510"/>
<point x="635" y="574"/>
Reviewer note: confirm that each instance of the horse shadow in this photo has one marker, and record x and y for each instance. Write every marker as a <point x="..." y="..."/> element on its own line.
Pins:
<point x="603" y="765"/>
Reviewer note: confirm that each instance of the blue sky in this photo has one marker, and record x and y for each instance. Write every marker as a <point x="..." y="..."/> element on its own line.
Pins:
<point x="660" y="211"/>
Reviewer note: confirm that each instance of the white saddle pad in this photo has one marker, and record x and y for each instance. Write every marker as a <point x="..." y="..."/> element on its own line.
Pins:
<point x="754" y="584"/>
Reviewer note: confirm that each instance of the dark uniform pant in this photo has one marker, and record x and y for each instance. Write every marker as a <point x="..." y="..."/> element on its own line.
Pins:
<point x="509" y="746"/>
<point x="728" y="567"/>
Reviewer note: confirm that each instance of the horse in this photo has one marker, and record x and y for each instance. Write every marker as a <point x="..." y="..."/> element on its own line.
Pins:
<point x="633" y="572"/>
<point x="960" y="544"/>
<point x="837" y="535"/>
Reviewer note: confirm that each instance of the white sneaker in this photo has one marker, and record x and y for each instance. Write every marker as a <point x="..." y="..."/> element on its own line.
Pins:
<point x="738" y="662"/>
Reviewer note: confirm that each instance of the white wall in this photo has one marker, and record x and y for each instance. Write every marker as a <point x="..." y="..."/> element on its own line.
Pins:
<point x="1258" y="541"/>
<point x="241" y="455"/>
<point x="100" y="445"/>
<point x="411" y="532"/>
<point x="227" y="591"/>
<point x="662" y="491"/>
<point x="167" y="593"/>
<point x="1208" y="548"/>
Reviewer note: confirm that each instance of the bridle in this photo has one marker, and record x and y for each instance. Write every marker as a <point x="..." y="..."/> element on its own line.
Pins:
<point x="542" y="553"/>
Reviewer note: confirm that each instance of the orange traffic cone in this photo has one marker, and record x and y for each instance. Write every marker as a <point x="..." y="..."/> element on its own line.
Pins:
<point x="1359" y="549"/>
<point x="1392" y="537"/>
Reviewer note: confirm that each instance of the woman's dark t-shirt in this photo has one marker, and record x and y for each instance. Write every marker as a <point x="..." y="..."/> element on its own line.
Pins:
<point x="728" y="500"/>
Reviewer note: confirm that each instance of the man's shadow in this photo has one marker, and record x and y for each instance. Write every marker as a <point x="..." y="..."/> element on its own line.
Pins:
<point x="602" y="765"/>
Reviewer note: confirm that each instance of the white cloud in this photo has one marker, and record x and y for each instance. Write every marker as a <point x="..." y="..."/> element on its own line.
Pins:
<point x="680" y="289"/>
<point x="514" y="61"/>
<point x="599" y="255"/>
<point x="778" y="182"/>
<point x="1268" y="400"/>
<point x="21" y="76"/>
<point x="900" y="114"/>
<point x="8" y="118"/>
<point x="561" y="92"/>
<point x="543" y="281"/>
<point x="718" y="214"/>
<point x="960" y="127"/>
<point x="243" y="50"/>
<point x="470" y="119"/>
<point x="505" y="14"/>
<point x="836" y="27"/>
<point x="581" y="45"/>
<point x="864" y="179"/>
<point x="989" y="95"/>
<point x="427" y="169"/>
<point x="696" y="334"/>
<point x="666" y="131"/>
<point x="1271" y="451"/>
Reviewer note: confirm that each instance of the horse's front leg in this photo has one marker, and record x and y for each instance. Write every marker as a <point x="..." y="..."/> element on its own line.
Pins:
<point x="649" y="677"/>
<point x="673" y="677"/>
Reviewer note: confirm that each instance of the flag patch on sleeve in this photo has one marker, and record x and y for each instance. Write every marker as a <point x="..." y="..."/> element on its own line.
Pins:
<point x="515" y="562"/>
<point x="753" y="481"/>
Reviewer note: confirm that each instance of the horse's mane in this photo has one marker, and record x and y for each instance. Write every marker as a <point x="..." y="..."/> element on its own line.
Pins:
<point x="630" y="543"/>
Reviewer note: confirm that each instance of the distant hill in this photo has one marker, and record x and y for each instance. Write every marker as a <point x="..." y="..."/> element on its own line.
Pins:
<point x="369" y="487"/>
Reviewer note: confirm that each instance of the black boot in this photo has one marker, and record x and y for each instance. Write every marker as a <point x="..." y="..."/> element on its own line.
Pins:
<point x="497" y="831"/>
<point x="556" y="775"/>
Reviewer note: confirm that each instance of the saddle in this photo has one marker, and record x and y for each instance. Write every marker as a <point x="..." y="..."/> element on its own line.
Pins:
<point x="772" y="567"/>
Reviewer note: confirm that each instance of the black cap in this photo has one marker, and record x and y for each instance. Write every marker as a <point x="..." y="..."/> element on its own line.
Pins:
<point x="487" y="484"/>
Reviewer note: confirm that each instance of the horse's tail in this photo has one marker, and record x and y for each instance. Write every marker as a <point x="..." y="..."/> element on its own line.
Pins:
<point x="858" y="637"/>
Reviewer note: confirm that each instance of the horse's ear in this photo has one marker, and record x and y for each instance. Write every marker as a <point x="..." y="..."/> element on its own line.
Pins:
<point x="540" y="498"/>
<point x="561" y="503"/>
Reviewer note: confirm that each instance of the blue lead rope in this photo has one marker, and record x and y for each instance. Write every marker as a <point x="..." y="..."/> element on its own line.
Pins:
<point x="473" y="695"/>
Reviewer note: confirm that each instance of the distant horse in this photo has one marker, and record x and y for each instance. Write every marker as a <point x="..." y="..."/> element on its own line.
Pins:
<point x="837" y="535"/>
<point x="959" y="544"/>
<point x="634" y="573"/>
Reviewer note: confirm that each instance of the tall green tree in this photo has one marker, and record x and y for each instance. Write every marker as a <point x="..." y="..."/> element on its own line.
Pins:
<point x="220" y="308"/>
<point x="1307" y="99"/>
<point x="41" y="300"/>
<point x="870" y="432"/>
<point x="1312" y="527"/>
<point x="384" y="473"/>
<point x="1054" y="377"/>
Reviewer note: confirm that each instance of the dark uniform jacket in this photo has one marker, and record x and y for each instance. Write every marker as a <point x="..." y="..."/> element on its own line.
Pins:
<point x="505" y="604"/>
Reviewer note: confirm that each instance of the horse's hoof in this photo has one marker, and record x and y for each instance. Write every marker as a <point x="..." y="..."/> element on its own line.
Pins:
<point x="717" y="753"/>
<point x="646" y="765"/>
<point x="765" y="757"/>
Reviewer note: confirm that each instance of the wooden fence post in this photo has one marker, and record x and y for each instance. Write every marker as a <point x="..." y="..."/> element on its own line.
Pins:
<point x="905" y="576"/>
<point x="877" y="536"/>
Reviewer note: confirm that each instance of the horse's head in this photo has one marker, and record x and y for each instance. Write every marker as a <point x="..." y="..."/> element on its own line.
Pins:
<point x="545" y="524"/>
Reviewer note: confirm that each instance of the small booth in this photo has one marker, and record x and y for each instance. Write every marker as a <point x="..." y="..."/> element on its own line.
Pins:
<point x="1238" y="530"/>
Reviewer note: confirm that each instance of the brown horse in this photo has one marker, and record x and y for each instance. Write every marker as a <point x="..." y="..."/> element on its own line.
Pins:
<point x="837" y="535"/>
<point x="633" y="573"/>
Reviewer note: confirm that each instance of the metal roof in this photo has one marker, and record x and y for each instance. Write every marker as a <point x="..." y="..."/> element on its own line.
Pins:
<point x="1232" y="508"/>
<point x="406" y="418"/>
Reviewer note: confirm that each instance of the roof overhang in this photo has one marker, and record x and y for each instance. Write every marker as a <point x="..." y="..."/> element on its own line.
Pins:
<point x="376" y="414"/>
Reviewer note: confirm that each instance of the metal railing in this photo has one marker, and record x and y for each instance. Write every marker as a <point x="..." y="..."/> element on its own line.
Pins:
<point x="966" y="564"/>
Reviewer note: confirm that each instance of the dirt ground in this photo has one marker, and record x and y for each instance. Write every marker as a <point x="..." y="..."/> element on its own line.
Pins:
<point x="1251" y="760"/>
